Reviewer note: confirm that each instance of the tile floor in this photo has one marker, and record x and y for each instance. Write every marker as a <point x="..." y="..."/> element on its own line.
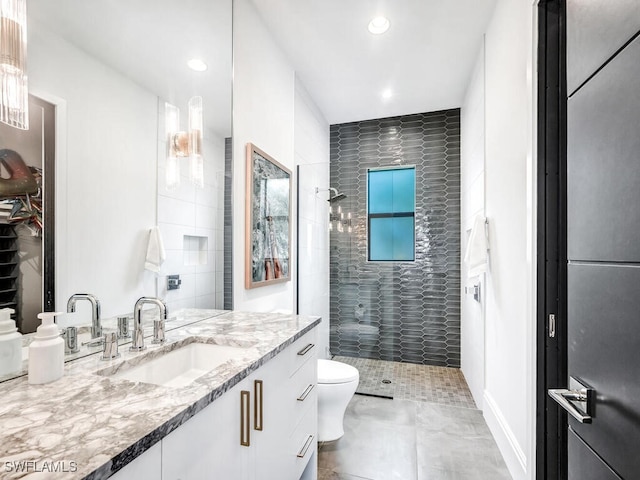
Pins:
<point x="431" y="430"/>
<point x="425" y="383"/>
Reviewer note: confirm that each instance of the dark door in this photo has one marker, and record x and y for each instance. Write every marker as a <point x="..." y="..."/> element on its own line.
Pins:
<point x="603" y="239"/>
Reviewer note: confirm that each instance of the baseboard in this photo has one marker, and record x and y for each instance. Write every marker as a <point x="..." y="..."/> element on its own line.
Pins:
<point x="508" y="445"/>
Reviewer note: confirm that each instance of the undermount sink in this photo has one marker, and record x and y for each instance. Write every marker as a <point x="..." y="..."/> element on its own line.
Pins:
<point x="180" y="367"/>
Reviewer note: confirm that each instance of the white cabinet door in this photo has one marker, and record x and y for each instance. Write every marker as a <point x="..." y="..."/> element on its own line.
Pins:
<point x="272" y="460"/>
<point x="208" y="445"/>
<point x="147" y="466"/>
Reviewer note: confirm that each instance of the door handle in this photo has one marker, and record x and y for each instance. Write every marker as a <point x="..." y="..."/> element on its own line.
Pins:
<point x="578" y="400"/>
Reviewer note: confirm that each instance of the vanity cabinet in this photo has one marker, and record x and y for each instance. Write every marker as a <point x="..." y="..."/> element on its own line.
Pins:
<point x="264" y="428"/>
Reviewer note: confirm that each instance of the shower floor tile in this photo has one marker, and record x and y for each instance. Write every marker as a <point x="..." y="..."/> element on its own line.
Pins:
<point x="409" y="381"/>
<point x="376" y="376"/>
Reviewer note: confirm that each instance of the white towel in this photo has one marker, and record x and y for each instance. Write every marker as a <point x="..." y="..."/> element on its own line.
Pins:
<point x="155" y="251"/>
<point x="476" y="255"/>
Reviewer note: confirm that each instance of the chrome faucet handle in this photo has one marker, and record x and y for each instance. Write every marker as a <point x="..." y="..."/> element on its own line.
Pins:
<point x="123" y="327"/>
<point x="158" y="331"/>
<point x="110" y="346"/>
<point x="70" y="336"/>
<point x="137" y="340"/>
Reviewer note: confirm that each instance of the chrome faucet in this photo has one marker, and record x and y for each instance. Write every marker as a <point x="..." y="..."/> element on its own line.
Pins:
<point x="137" y="342"/>
<point x="96" y="325"/>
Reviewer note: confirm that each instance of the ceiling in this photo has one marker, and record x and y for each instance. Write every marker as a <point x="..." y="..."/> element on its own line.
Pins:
<point x="425" y="58"/>
<point x="150" y="41"/>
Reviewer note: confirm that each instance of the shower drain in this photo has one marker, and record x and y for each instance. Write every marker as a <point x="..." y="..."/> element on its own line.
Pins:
<point x="386" y="381"/>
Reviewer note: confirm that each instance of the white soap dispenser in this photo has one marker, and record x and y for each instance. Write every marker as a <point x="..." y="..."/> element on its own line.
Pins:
<point x="46" y="352"/>
<point x="10" y="343"/>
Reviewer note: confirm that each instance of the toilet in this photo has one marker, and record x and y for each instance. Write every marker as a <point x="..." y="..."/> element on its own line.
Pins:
<point x="337" y="382"/>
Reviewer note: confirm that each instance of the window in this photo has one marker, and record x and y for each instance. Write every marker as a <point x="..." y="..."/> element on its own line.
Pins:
<point x="391" y="206"/>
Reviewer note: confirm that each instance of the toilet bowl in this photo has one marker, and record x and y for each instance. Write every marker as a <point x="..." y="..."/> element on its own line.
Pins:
<point x="337" y="382"/>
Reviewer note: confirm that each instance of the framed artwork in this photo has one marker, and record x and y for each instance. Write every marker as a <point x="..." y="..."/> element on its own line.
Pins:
<point x="268" y="220"/>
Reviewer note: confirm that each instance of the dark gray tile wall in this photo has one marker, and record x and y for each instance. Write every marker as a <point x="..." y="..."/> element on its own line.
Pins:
<point x="404" y="311"/>
<point x="228" y="225"/>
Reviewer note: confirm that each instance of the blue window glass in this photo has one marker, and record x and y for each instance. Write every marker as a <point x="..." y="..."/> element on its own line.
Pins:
<point x="404" y="190"/>
<point x="391" y="214"/>
<point x="380" y="191"/>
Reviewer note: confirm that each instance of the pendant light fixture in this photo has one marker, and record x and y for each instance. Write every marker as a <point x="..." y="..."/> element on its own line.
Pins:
<point x="14" y="97"/>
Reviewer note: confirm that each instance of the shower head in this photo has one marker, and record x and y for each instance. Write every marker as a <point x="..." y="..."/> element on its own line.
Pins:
<point x="334" y="196"/>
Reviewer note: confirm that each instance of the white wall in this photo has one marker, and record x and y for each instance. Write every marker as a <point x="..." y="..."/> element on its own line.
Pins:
<point x="193" y="212"/>
<point x="311" y="132"/>
<point x="106" y="148"/>
<point x="263" y="114"/>
<point x="509" y="375"/>
<point x="472" y="158"/>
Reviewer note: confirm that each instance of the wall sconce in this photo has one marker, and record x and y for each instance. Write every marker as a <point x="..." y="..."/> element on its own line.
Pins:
<point x="14" y="96"/>
<point x="181" y="144"/>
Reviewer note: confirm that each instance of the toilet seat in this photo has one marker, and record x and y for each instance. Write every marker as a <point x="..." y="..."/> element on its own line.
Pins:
<point x="330" y="372"/>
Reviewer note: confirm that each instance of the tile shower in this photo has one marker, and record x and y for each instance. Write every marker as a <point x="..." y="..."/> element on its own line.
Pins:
<point x="400" y="311"/>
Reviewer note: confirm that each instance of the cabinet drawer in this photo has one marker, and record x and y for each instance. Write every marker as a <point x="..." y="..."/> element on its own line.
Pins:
<point x="303" y="391"/>
<point x="304" y="441"/>
<point x="302" y="350"/>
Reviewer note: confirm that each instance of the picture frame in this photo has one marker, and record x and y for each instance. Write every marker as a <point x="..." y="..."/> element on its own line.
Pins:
<point x="268" y="220"/>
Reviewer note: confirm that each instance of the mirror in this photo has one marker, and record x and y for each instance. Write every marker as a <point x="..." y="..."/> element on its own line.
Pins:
<point x="268" y="242"/>
<point x="109" y="69"/>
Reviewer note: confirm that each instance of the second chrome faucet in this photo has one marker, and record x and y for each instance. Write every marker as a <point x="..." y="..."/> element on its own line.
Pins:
<point x="137" y="343"/>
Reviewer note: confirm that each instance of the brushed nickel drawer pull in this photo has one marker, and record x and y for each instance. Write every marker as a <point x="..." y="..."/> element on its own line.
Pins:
<point x="306" y="392"/>
<point x="305" y="447"/>
<point x="257" y="405"/>
<point x="306" y="349"/>
<point x="245" y="419"/>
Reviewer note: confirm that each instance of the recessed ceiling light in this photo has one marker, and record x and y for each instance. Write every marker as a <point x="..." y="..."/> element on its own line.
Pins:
<point x="197" y="65"/>
<point x="387" y="94"/>
<point x="379" y="25"/>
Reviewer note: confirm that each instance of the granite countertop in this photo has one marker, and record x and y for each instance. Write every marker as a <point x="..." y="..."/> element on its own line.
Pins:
<point x="89" y="425"/>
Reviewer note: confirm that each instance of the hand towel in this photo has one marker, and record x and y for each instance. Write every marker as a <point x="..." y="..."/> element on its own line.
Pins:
<point x="476" y="255"/>
<point x="155" y="251"/>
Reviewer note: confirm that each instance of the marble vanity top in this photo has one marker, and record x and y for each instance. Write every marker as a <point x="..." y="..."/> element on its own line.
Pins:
<point x="89" y="425"/>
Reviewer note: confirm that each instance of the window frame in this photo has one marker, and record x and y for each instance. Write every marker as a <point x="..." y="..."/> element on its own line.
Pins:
<point x="391" y="215"/>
